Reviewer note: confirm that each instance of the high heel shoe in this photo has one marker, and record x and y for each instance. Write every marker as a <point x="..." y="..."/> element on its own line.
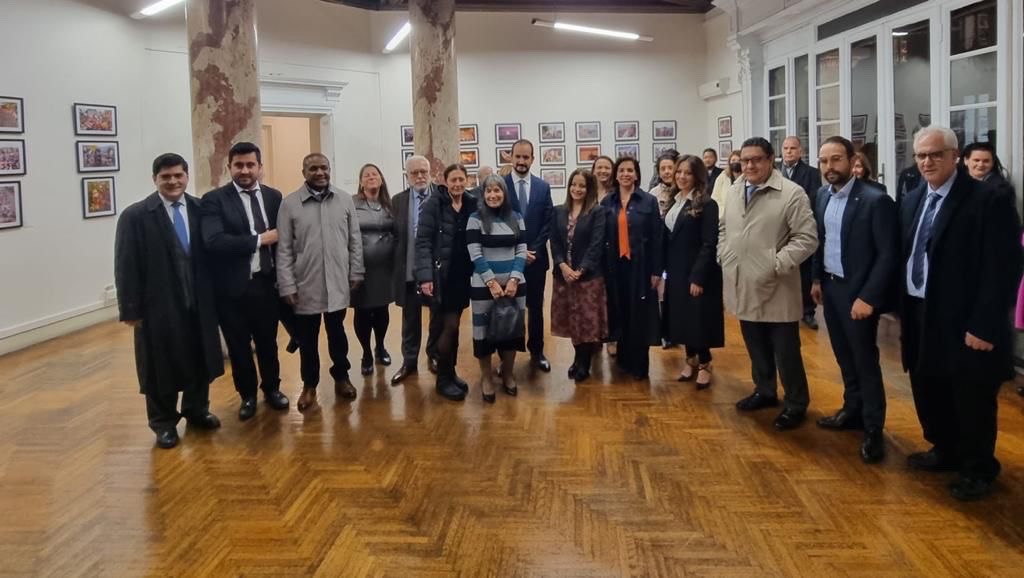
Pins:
<point x="512" y="391"/>
<point x="383" y="357"/>
<point x="688" y="370"/>
<point x="704" y="375"/>
<point x="366" y="367"/>
<point x="488" y="397"/>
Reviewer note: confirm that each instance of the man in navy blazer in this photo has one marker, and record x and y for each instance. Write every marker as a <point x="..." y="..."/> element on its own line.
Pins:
<point x="535" y="194"/>
<point x="855" y="282"/>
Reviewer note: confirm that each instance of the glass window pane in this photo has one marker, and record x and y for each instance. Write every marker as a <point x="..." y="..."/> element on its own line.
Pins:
<point x="777" y="81"/>
<point x="864" y="97"/>
<point x="972" y="80"/>
<point x="974" y="125"/>
<point x="828" y="103"/>
<point x="973" y="27"/>
<point x="828" y="67"/>
<point x="827" y="130"/>
<point x="777" y="112"/>
<point x="776" y="137"/>
<point x="911" y="67"/>
<point x="801" y="100"/>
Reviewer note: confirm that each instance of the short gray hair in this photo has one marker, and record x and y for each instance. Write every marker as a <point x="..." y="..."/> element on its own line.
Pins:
<point x="494" y="180"/>
<point x="415" y="158"/>
<point x="948" y="136"/>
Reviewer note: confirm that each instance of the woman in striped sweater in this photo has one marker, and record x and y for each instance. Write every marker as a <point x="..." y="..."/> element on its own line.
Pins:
<point x="497" y="246"/>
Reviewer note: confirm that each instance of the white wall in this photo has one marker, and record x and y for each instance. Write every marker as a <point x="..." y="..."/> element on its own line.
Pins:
<point x="722" y="62"/>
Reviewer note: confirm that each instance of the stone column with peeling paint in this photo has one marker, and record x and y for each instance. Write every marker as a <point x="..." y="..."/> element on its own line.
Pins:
<point x="224" y="69"/>
<point x="435" y="99"/>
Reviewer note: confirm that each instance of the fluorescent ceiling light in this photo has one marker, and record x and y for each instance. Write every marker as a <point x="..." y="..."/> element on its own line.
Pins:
<point x="590" y="30"/>
<point x="398" y="38"/>
<point x="155" y="8"/>
<point x="899" y="33"/>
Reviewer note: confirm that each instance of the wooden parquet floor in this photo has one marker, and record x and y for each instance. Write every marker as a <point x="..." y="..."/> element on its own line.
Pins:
<point x="609" y="478"/>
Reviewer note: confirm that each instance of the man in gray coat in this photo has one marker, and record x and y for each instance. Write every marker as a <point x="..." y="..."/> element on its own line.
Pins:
<point x="319" y="265"/>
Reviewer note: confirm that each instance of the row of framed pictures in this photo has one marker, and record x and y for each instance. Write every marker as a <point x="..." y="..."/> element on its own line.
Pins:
<point x="98" y="200"/>
<point x="89" y="119"/>
<point x="92" y="157"/>
<point x="554" y="132"/>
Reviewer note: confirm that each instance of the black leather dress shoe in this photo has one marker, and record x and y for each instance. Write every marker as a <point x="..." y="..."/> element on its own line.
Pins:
<point x="756" y="401"/>
<point x="969" y="489"/>
<point x="383" y="357"/>
<point x="542" y="363"/>
<point x="811" y="322"/>
<point x="366" y="366"/>
<point x="582" y="374"/>
<point x="167" y="439"/>
<point x="448" y="389"/>
<point x="402" y="373"/>
<point x="461" y="384"/>
<point x="248" y="409"/>
<point x="873" y="449"/>
<point x="789" y="419"/>
<point x="204" y="421"/>
<point x="933" y="460"/>
<point x="432" y="365"/>
<point x="276" y="399"/>
<point x="572" y="371"/>
<point x="292" y="346"/>
<point x="843" y="419"/>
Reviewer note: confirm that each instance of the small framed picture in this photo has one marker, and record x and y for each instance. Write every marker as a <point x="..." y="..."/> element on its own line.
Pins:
<point x="470" y="157"/>
<point x="589" y="131"/>
<point x="98" y="156"/>
<point x="503" y="155"/>
<point x="627" y="130"/>
<point x="12" y="157"/>
<point x="724" y="126"/>
<point x="472" y="181"/>
<point x="859" y="124"/>
<point x="95" y="119"/>
<point x="507" y="133"/>
<point x="468" y="134"/>
<point x="587" y="153"/>
<point x="10" y="205"/>
<point x="406" y="153"/>
<point x="552" y="155"/>
<point x="554" y="177"/>
<point x="630" y="149"/>
<point x="552" y="132"/>
<point x="12" y="115"/>
<point x="664" y="130"/>
<point x="98" y="197"/>
<point x="407" y="135"/>
<point x="661" y="148"/>
<point x="724" y="149"/>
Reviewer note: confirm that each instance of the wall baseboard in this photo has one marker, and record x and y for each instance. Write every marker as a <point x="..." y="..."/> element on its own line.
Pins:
<point x="20" y="337"/>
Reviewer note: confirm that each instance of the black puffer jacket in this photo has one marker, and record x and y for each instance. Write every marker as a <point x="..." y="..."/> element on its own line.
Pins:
<point x="435" y="232"/>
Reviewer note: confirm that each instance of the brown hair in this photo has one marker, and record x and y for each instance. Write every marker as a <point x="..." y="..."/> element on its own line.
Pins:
<point x="700" y="182"/>
<point x="590" y="200"/>
<point x="385" y="198"/>
<point x="869" y="173"/>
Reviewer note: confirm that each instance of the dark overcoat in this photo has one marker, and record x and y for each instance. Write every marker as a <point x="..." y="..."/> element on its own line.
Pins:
<point x="691" y="250"/>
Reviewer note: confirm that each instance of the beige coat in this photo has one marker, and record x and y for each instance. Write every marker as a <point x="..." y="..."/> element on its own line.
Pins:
<point x="761" y="247"/>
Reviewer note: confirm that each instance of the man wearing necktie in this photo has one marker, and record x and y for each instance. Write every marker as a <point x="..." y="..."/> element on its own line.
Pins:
<point x="165" y="293"/>
<point x="240" y="232"/>
<point x="962" y="264"/>
<point x="809" y="178"/>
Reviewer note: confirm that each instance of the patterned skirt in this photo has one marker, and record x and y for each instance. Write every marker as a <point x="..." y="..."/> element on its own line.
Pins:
<point x="579" y="311"/>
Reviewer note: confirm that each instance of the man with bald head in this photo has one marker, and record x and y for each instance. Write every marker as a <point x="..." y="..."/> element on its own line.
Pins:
<point x="961" y="265"/>
<point x="481" y="174"/>
<point x="809" y="178"/>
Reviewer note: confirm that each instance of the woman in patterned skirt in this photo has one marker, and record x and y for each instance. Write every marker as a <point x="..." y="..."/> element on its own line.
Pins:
<point x="579" y="305"/>
<point x="497" y="246"/>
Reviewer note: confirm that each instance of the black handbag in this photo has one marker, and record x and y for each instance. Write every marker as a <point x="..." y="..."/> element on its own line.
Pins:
<point x="507" y="322"/>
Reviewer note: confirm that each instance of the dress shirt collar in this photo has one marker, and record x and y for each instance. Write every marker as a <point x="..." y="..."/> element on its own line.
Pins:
<point x="944" y="189"/>
<point x="845" y="191"/>
<point x="241" y="190"/>
<point x="169" y="204"/>
<point x="309" y="193"/>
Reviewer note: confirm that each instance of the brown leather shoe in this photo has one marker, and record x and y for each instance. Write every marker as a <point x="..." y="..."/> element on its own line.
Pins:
<point x="343" y="389"/>
<point x="307" y="399"/>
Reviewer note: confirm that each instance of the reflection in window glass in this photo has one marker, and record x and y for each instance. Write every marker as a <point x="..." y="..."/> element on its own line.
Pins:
<point x="911" y="78"/>
<point x="972" y="80"/>
<point x="777" y="112"/>
<point x="801" y="100"/>
<point x="974" y="125"/>
<point x="828" y="104"/>
<point x="864" y="98"/>
<point x="973" y="27"/>
<point x="776" y="137"/>
<point x="777" y="81"/>
<point x="827" y="130"/>
<point x="828" y="67"/>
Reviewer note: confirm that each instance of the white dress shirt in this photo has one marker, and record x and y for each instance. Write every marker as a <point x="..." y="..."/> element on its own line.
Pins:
<point x="254" y="262"/>
<point x="943" y="192"/>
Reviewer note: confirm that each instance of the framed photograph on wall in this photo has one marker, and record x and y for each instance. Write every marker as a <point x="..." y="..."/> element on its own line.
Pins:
<point x="10" y="205"/>
<point x="859" y="124"/>
<point x="627" y="130"/>
<point x="98" y="197"/>
<point x="724" y="126"/>
<point x="631" y="149"/>
<point x="468" y="134"/>
<point x="406" y="153"/>
<point x="587" y="153"/>
<point x="552" y="132"/>
<point x="552" y="155"/>
<point x="472" y="181"/>
<point x="589" y="131"/>
<point x="95" y="119"/>
<point x="664" y="130"/>
<point x="507" y="133"/>
<point x="407" y="135"/>
<point x="12" y="157"/>
<point x="503" y="155"/>
<point x="724" y="149"/>
<point x="470" y="157"/>
<point x="661" y="147"/>
<point x="98" y="156"/>
<point x="554" y="177"/>
<point x="12" y="115"/>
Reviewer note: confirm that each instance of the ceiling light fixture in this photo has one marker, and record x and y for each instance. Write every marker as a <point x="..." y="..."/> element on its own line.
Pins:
<point x="155" y="8"/>
<point x="590" y="30"/>
<point x="398" y="37"/>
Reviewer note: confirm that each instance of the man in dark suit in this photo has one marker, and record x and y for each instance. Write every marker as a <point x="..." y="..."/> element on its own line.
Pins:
<point x="962" y="263"/>
<point x="407" y="205"/>
<point x="854" y="273"/>
<point x="240" y="232"/>
<point x="531" y="197"/>
<point x="795" y="169"/>
<point x="164" y="292"/>
<point x="910" y="179"/>
<point x="711" y="164"/>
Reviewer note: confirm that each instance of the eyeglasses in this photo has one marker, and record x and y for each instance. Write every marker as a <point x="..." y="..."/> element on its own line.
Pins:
<point x="419" y="172"/>
<point x="753" y="160"/>
<point x="934" y="156"/>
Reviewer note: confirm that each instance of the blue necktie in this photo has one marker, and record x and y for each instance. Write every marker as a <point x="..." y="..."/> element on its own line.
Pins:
<point x="179" y="226"/>
<point x="750" y="192"/>
<point x="522" y="197"/>
<point x="924" y="235"/>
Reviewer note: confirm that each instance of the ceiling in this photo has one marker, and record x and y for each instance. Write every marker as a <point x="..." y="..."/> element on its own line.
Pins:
<point x="622" y="6"/>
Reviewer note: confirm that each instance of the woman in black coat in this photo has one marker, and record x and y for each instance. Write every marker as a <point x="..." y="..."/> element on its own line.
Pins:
<point x="635" y="267"/>
<point x="443" y="269"/>
<point x="693" y="290"/>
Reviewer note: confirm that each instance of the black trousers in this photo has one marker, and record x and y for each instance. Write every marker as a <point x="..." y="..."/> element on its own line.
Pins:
<point x="536" y="280"/>
<point x="447" y="344"/>
<point x="774" y="346"/>
<point x="634" y="334"/>
<point x="252" y="318"/>
<point x="958" y="415"/>
<point x="855" y="344"/>
<point x="162" y="409"/>
<point x="412" y="327"/>
<point x="371" y="322"/>
<point x="806" y="280"/>
<point x="308" y="328"/>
